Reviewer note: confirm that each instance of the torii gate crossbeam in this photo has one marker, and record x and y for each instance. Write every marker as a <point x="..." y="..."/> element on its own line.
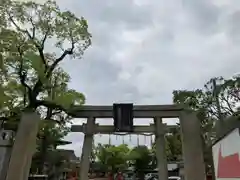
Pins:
<point x="194" y="167"/>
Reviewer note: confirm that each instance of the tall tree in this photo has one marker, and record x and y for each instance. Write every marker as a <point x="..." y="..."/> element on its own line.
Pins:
<point x="205" y="103"/>
<point x="35" y="39"/>
<point x="27" y="28"/>
<point x="218" y="100"/>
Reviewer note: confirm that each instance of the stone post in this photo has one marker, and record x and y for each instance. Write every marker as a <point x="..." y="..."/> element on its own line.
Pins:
<point x="194" y="167"/>
<point x="160" y="149"/>
<point x="87" y="148"/>
<point x="6" y="141"/>
<point x="23" y="147"/>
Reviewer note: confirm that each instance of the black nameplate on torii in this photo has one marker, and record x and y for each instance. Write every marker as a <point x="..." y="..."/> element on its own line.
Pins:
<point x="123" y="117"/>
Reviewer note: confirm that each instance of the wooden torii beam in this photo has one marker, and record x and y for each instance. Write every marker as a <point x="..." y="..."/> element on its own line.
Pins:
<point x="139" y="111"/>
<point x="103" y="129"/>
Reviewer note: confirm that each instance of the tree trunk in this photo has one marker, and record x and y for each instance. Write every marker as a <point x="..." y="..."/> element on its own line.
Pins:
<point x="211" y="163"/>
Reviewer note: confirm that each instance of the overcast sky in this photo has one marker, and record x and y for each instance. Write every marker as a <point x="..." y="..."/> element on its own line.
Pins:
<point x="142" y="50"/>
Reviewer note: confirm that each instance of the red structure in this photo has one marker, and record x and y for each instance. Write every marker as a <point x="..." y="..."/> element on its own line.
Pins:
<point x="226" y="155"/>
<point x="229" y="166"/>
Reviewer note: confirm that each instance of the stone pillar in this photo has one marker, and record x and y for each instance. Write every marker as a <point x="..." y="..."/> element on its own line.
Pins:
<point x="23" y="147"/>
<point x="6" y="141"/>
<point x="160" y="149"/>
<point x="194" y="167"/>
<point x="87" y="148"/>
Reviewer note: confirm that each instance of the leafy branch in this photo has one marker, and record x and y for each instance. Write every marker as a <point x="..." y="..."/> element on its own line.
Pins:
<point x="48" y="20"/>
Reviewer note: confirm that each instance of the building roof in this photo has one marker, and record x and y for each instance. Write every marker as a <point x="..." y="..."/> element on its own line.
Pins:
<point x="68" y="154"/>
<point x="62" y="142"/>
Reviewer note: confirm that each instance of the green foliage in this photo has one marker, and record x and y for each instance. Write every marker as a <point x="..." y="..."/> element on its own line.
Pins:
<point x="35" y="39"/>
<point x="174" y="146"/>
<point x="26" y="29"/>
<point x="52" y="131"/>
<point x="49" y="137"/>
<point x="30" y="75"/>
<point x="141" y="158"/>
<point x="218" y="100"/>
<point x="204" y="101"/>
<point x="112" y="157"/>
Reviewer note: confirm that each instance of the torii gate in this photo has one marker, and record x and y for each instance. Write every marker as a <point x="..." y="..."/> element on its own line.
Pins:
<point x="194" y="168"/>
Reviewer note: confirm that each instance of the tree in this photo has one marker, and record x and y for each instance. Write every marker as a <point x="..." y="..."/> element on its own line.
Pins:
<point x="30" y="76"/>
<point x="112" y="157"/>
<point x="218" y="100"/>
<point x="204" y="101"/>
<point x="141" y="158"/>
<point x="173" y="145"/>
<point x="227" y="93"/>
<point x="49" y="137"/>
<point x="26" y="27"/>
<point x="200" y="101"/>
<point x="101" y="156"/>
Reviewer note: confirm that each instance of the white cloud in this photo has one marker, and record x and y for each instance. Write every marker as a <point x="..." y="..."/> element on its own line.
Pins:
<point x="143" y="50"/>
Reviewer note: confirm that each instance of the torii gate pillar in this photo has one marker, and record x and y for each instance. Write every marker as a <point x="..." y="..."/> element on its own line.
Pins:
<point x="87" y="148"/>
<point x="160" y="149"/>
<point x="194" y="166"/>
